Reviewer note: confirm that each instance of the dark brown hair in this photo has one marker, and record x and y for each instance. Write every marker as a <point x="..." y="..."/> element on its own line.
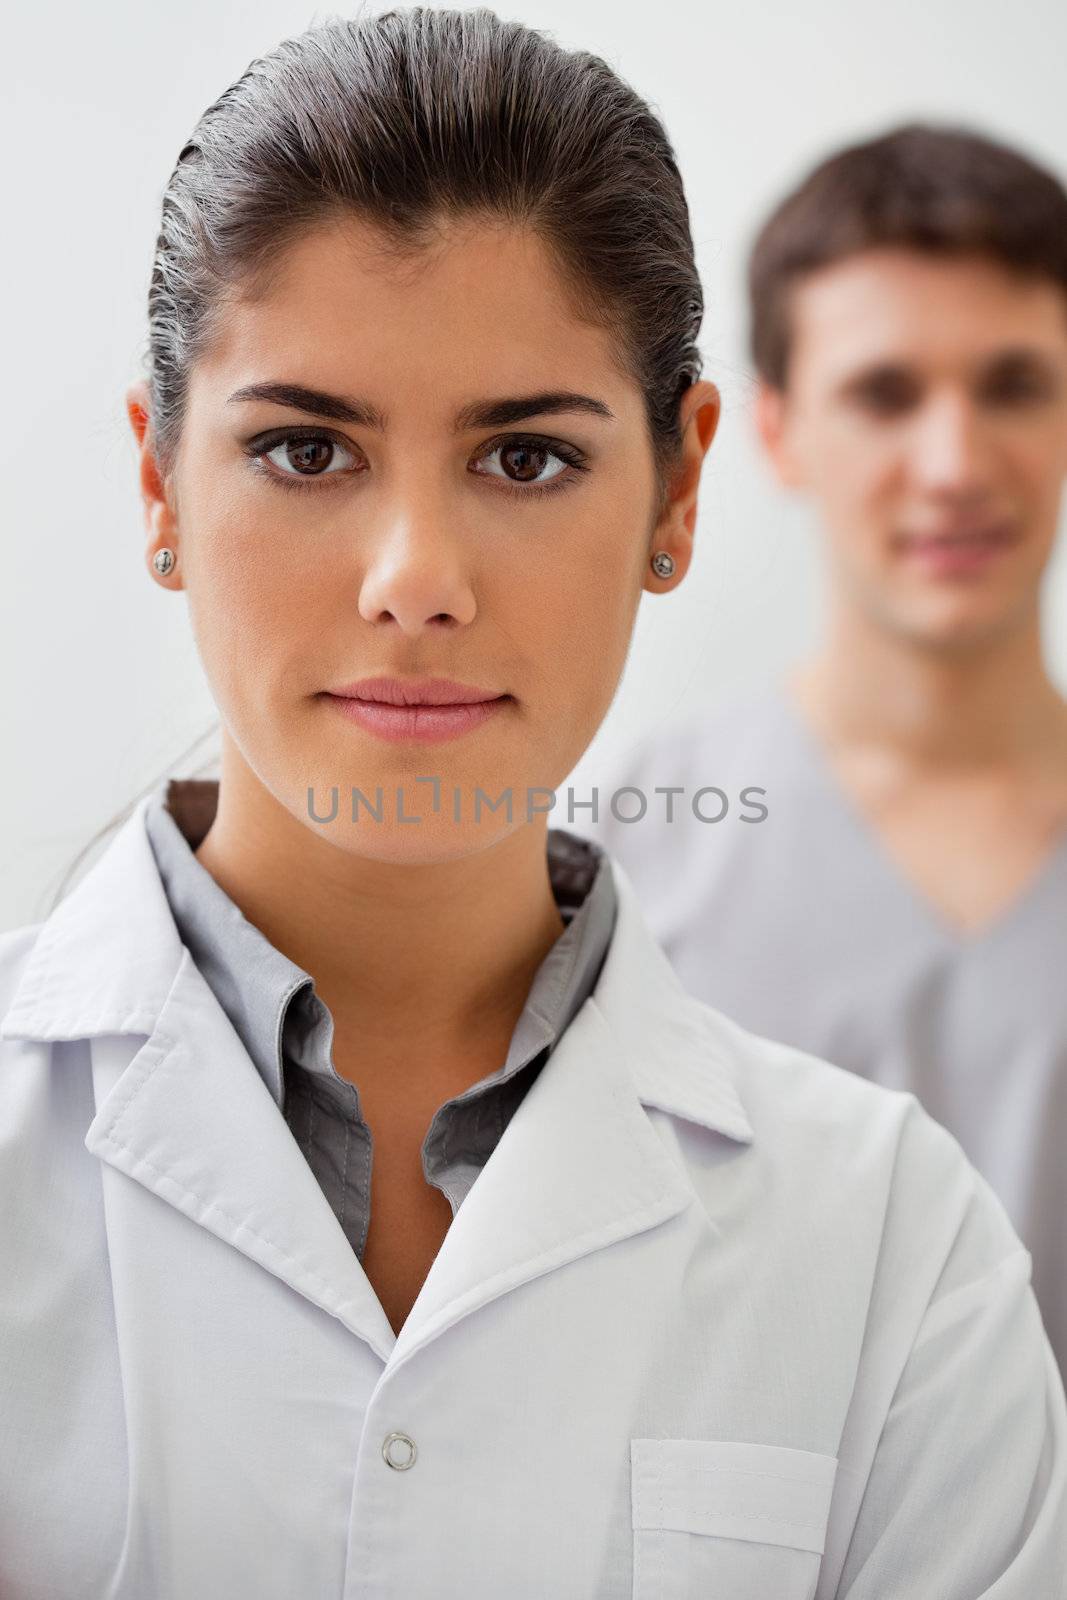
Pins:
<point x="408" y="119"/>
<point x="938" y="190"/>
<point x="411" y="118"/>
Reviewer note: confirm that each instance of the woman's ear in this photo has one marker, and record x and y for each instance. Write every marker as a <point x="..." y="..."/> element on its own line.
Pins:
<point x="772" y="418"/>
<point x="159" y="517"/>
<point x="698" y="416"/>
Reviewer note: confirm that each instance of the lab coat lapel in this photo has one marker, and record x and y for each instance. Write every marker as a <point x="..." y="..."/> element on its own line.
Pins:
<point x="577" y="1168"/>
<point x="191" y="1119"/>
<point x="580" y="1166"/>
<point x="182" y="1111"/>
<point x="181" y="1108"/>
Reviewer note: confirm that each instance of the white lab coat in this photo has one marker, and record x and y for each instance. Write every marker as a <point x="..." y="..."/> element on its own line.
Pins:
<point x="716" y="1318"/>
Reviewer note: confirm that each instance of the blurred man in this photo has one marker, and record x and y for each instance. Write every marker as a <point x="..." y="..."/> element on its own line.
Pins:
<point x="887" y="886"/>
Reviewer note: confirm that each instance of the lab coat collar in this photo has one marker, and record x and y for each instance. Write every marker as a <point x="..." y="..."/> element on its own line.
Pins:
<point x="105" y="959"/>
<point x="184" y="1112"/>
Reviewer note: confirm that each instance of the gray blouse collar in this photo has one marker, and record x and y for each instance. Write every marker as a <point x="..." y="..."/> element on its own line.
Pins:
<point x="255" y="983"/>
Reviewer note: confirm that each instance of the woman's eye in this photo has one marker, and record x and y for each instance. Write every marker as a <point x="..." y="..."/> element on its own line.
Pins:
<point x="523" y="462"/>
<point x="307" y="456"/>
<point x="522" y="466"/>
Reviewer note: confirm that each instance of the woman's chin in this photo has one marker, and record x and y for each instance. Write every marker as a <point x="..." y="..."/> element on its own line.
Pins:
<point x="415" y="841"/>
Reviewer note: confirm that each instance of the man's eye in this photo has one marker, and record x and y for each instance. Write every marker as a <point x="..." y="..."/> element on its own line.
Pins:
<point x="1019" y="387"/>
<point x="887" y="397"/>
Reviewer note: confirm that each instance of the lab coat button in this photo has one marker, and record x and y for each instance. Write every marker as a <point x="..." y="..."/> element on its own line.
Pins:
<point x="399" y="1451"/>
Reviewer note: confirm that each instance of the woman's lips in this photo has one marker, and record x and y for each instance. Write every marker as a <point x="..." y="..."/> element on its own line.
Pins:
<point x="958" y="553"/>
<point x="421" y="724"/>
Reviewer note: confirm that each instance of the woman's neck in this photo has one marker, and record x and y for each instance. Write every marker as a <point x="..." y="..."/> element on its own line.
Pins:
<point x="419" y="963"/>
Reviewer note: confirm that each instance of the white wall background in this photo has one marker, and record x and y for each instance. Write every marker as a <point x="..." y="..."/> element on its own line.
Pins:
<point x="102" y="688"/>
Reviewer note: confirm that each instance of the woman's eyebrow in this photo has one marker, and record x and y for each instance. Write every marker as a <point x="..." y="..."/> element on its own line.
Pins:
<point x="480" y="414"/>
<point x="498" y="413"/>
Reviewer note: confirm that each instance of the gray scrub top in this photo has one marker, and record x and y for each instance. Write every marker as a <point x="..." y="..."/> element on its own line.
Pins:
<point x="288" y="1031"/>
<point x="802" y="928"/>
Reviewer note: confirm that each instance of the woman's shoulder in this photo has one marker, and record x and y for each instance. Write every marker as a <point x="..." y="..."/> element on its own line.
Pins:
<point x="838" y="1145"/>
<point x="809" y="1103"/>
<point x="16" y="945"/>
<point x="44" y="1108"/>
<point x="24" y="973"/>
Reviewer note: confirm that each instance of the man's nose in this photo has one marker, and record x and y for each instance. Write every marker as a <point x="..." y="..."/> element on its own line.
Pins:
<point x="950" y="449"/>
<point x="417" y="573"/>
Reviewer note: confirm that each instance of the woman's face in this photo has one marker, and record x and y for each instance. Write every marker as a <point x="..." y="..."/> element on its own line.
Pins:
<point x="384" y="524"/>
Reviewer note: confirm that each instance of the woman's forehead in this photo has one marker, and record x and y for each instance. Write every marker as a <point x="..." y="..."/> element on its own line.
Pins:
<point x="486" y="314"/>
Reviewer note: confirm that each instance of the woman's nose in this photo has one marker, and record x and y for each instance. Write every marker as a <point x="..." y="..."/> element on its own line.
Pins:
<point x="416" y="575"/>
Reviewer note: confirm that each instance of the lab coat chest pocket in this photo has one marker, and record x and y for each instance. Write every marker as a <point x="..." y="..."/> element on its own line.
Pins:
<point x="721" y="1517"/>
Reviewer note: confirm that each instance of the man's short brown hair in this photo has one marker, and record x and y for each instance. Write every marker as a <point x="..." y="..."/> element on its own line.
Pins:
<point x="940" y="190"/>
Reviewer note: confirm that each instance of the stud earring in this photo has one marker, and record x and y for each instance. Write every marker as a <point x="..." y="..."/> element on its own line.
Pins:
<point x="163" y="561"/>
<point x="662" y="564"/>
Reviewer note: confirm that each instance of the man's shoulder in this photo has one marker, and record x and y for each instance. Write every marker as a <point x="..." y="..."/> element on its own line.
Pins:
<point x="718" y="732"/>
<point x="708" y="759"/>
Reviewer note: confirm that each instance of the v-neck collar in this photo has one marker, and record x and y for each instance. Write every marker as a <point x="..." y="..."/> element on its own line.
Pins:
<point x="961" y="940"/>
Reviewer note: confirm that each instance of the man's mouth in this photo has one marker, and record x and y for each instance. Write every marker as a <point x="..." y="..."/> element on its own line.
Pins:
<point x="958" y="549"/>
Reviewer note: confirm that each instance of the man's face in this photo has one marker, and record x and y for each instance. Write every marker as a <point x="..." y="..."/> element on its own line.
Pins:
<point x="926" y="414"/>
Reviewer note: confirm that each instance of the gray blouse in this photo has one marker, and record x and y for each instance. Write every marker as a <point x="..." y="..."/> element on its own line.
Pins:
<point x="288" y="1031"/>
<point x="795" y="921"/>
